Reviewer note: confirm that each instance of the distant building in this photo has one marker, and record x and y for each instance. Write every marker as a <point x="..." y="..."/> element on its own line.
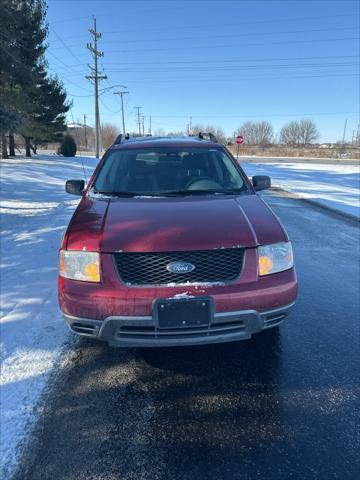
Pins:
<point x="74" y="126"/>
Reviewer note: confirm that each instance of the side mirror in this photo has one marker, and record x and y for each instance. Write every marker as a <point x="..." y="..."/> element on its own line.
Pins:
<point x="261" y="182"/>
<point x="75" y="187"/>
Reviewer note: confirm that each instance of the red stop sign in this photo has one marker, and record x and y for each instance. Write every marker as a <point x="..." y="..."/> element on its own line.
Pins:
<point x="239" y="139"/>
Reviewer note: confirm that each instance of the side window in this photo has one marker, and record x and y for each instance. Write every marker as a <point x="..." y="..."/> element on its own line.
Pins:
<point x="104" y="180"/>
<point x="217" y="167"/>
<point x="231" y="174"/>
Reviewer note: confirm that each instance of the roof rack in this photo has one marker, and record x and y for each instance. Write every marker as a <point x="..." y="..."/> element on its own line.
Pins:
<point x="210" y="136"/>
<point x="120" y="138"/>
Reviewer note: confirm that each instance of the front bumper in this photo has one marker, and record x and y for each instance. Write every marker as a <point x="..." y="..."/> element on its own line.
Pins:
<point x="142" y="331"/>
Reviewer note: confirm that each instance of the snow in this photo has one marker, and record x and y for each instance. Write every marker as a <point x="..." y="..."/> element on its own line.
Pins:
<point x="191" y="284"/>
<point x="330" y="185"/>
<point x="180" y="296"/>
<point x="35" y="210"/>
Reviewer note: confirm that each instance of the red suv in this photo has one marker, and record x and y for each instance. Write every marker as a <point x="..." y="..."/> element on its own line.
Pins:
<point x="171" y="245"/>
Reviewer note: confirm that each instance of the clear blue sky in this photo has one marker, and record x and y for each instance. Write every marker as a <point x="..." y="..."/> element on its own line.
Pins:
<point x="221" y="62"/>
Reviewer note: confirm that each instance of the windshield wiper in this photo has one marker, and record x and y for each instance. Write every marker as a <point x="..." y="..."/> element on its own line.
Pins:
<point x="114" y="193"/>
<point x="202" y="192"/>
<point x="127" y="194"/>
<point x="170" y="193"/>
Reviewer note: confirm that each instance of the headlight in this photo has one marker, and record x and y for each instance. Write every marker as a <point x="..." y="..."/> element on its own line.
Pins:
<point x="80" y="265"/>
<point x="274" y="258"/>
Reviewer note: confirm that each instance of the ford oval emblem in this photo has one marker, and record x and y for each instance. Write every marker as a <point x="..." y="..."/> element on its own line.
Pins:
<point x="180" y="267"/>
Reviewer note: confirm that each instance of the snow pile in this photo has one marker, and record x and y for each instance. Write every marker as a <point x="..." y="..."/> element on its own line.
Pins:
<point x="334" y="186"/>
<point x="35" y="210"/>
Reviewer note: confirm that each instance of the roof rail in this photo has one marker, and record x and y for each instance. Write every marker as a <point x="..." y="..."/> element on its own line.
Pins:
<point x="120" y="138"/>
<point x="210" y="135"/>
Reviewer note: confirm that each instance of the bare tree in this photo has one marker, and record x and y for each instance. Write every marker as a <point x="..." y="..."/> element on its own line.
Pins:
<point x="179" y="133"/>
<point x="256" y="133"/>
<point x="109" y="132"/>
<point x="301" y="132"/>
<point x="289" y="133"/>
<point x="84" y="138"/>
<point x="308" y="132"/>
<point x="159" y="132"/>
<point x="217" y="131"/>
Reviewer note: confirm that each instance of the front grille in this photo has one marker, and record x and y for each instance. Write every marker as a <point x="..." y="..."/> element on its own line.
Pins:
<point x="211" y="266"/>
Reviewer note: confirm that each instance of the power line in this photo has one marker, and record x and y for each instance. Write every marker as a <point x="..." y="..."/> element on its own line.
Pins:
<point x="335" y="66"/>
<point x="72" y="19"/>
<point x="67" y="47"/>
<point x="227" y="68"/>
<point x="49" y="68"/>
<point x="266" y="115"/>
<point x="79" y="96"/>
<point x="161" y="67"/>
<point x="243" y="34"/>
<point x="237" y="45"/>
<point x="232" y="24"/>
<point x="182" y="62"/>
<point x="231" y="79"/>
<point x="238" y="79"/>
<point x="108" y="108"/>
<point x="112" y="14"/>
<point x="301" y="114"/>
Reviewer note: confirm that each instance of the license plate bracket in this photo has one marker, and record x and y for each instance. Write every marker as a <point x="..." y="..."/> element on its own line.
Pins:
<point x="183" y="312"/>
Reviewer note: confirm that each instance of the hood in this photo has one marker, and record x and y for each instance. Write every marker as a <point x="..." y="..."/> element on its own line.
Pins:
<point x="173" y="224"/>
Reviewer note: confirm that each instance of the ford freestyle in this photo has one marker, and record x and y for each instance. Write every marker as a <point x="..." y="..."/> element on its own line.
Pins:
<point x="171" y="245"/>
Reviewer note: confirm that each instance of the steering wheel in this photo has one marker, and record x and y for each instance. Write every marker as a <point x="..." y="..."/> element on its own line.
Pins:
<point x="206" y="183"/>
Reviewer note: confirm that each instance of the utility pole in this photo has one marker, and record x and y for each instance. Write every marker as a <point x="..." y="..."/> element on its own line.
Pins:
<point x="96" y="77"/>
<point x="122" y="93"/>
<point x="143" y="125"/>
<point x="150" y="125"/>
<point x="343" y="139"/>
<point x="85" y="133"/>
<point x="190" y="125"/>
<point x="139" y="121"/>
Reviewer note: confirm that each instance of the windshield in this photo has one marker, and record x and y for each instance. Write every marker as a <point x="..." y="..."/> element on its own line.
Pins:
<point x="168" y="171"/>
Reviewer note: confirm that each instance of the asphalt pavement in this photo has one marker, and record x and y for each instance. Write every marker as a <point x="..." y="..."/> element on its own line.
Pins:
<point x="283" y="405"/>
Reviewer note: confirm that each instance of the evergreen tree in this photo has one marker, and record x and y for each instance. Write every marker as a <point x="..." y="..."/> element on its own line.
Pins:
<point x="68" y="146"/>
<point x="26" y="88"/>
<point x="8" y="120"/>
<point x="45" y="119"/>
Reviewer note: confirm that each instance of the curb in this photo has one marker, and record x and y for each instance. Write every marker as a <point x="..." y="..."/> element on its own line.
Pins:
<point x="297" y="196"/>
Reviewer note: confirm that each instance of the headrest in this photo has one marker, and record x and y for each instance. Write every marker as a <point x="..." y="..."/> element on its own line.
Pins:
<point x="138" y="165"/>
<point x="170" y="158"/>
<point x="194" y="161"/>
